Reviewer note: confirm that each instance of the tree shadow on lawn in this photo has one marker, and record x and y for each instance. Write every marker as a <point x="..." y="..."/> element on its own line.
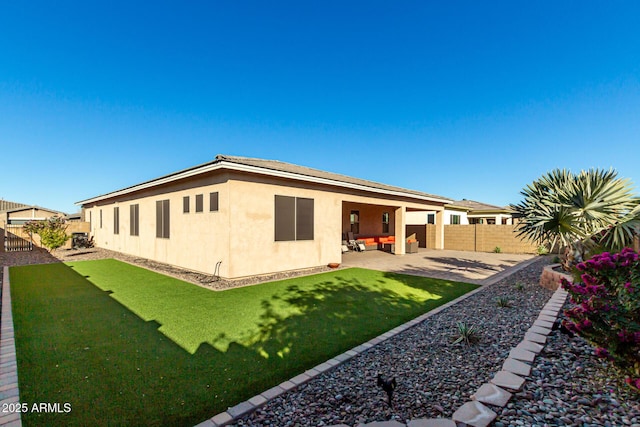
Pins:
<point x="77" y="344"/>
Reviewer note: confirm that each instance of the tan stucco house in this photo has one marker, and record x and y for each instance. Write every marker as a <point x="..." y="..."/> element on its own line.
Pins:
<point x="251" y="216"/>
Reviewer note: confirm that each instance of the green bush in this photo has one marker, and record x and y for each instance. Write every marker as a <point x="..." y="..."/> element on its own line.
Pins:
<point x="497" y="249"/>
<point x="52" y="231"/>
<point x="542" y="250"/>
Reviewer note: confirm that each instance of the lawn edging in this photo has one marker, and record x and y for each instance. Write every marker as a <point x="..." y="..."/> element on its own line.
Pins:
<point x="241" y="409"/>
<point x="9" y="393"/>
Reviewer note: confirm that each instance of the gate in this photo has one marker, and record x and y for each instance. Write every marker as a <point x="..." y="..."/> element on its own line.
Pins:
<point x="16" y="240"/>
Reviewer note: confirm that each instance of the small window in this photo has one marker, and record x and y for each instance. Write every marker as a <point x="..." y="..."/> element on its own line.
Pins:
<point x="431" y="218"/>
<point x="385" y="222"/>
<point x="185" y="204"/>
<point x="116" y="220"/>
<point x="354" y="220"/>
<point x="162" y="219"/>
<point x="213" y="202"/>
<point x="455" y="219"/>
<point x="134" y="219"/>
<point x="100" y="218"/>
<point x="199" y="202"/>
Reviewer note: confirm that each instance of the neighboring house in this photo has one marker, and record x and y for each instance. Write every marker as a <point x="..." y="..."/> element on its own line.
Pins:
<point x="238" y="216"/>
<point x="464" y="212"/>
<point x="23" y="214"/>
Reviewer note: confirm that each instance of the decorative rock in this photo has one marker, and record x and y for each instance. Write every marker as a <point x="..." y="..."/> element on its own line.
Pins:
<point x="432" y="422"/>
<point x="474" y="414"/>
<point x="530" y="346"/>
<point x="392" y="423"/>
<point x="520" y="354"/>
<point x="540" y="330"/>
<point x="516" y="367"/>
<point x="508" y="380"/>
<point x="531" y="336"/>
<point x="492" y="395"/>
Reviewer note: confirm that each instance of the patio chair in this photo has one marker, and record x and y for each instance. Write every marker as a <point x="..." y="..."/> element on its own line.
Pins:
<point x="353" y="244"/>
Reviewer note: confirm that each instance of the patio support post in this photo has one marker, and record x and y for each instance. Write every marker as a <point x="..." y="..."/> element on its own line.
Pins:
<point x="400" y="230"/>
<point x="440" y="229"/>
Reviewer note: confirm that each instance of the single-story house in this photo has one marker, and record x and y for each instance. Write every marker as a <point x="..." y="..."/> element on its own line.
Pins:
<point x="465" y="212"/>
<point x="24" y="214"/>
<point x="238" y="216"/>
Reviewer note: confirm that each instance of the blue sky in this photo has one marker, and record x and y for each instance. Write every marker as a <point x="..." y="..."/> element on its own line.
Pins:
<point x="460" y="99"/>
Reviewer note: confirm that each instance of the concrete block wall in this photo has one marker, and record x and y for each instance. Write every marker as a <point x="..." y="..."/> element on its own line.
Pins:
<point x="485" y="238"/>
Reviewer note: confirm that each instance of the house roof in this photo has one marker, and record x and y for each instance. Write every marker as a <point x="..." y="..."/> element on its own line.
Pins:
<point x="40" y="208"/>
<point x="472" y="205"/>
<point x="278" y="169"/>
<point x="6" y="205"/>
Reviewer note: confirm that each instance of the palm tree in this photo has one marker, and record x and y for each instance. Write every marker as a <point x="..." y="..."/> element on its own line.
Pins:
<point x="578" y="211"/>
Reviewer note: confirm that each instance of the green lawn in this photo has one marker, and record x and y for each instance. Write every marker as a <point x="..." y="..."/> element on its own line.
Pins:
<point x="127" y="346"/>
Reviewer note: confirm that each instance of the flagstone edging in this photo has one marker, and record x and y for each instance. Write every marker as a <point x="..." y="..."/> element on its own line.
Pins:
<point x="9" y="393"/>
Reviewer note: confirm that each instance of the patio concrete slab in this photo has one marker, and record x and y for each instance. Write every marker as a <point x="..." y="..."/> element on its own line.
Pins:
<point x="540" y="330"/>
<point x="543" y="323"/>
<point x="461" y="266"/>
<point x="532" y="336"/>
<point x="522" y="355"/>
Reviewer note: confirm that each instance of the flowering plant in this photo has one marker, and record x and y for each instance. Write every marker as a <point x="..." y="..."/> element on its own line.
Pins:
<point x="606" y="308"/>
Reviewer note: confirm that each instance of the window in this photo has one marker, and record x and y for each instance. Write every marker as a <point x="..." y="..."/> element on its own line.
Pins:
<point x="385" y="222"/>
<point x="293" y="218"/>
<point x="213" y="202"/>
<point x="162" y="219"/>
<point x="354" y="220"/>
<point x="100" y="218"/>
<point x="134" y="219"/>
<point x="455" y="219"/>
<point x="185" y="204"/>
<point x="90" y="221"/>
<point x="431" y="218"/>
<point x="199" y="202"/>
<point x="116" y="220"/>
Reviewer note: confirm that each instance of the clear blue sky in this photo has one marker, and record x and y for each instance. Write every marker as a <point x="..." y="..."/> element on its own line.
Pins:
<point x="460" y="99"/>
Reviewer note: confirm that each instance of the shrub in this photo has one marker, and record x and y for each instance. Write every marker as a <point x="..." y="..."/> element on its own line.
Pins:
<point x="519" y="286"/>
<point x="497" y="249"/>
<point x="542" y="250"/>
<point x="607" y="308"/>
<point x="52" y="231"/>
<point x="466" y="333"/>
<point x="503" y="302"/>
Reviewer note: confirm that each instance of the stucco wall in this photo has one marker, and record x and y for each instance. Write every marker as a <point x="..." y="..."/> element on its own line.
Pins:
<point x="197" y="241"/>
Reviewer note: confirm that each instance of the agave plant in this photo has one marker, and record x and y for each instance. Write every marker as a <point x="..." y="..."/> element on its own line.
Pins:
<point x="578" y="211"/>
<point x="466" y="333"/>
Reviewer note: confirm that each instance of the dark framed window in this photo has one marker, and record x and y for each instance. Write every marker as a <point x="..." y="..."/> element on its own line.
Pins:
<point x="199" y="202"/>
<point x="455" y="219"/>
<point x="116" y="220"/>
<point x="385" y="222"/>
<point x="354" y="221"/>
<point x="162" y="219"/>
<point x="213" y="202"/>
<point x="431" y="218"/>
<point x="185" y="204"/>
<point x="294" y="218"/>
<point x="134" y="220"/>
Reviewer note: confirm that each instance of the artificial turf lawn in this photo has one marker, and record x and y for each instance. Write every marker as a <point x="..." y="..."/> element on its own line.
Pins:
<point x="126" y="346"/>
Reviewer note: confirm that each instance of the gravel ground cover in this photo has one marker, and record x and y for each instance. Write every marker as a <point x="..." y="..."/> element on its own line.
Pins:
<point x="570" y="386"/>
<point x="434" y="376"/>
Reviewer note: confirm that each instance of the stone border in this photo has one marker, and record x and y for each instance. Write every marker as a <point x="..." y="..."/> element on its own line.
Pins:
<point x="9" y="393"/>
<point x="252" y="404"/>
<point x="514" y="370"/>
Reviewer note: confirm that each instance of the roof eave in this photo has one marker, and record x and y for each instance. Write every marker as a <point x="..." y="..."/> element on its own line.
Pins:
<point x="223" y="164"/>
